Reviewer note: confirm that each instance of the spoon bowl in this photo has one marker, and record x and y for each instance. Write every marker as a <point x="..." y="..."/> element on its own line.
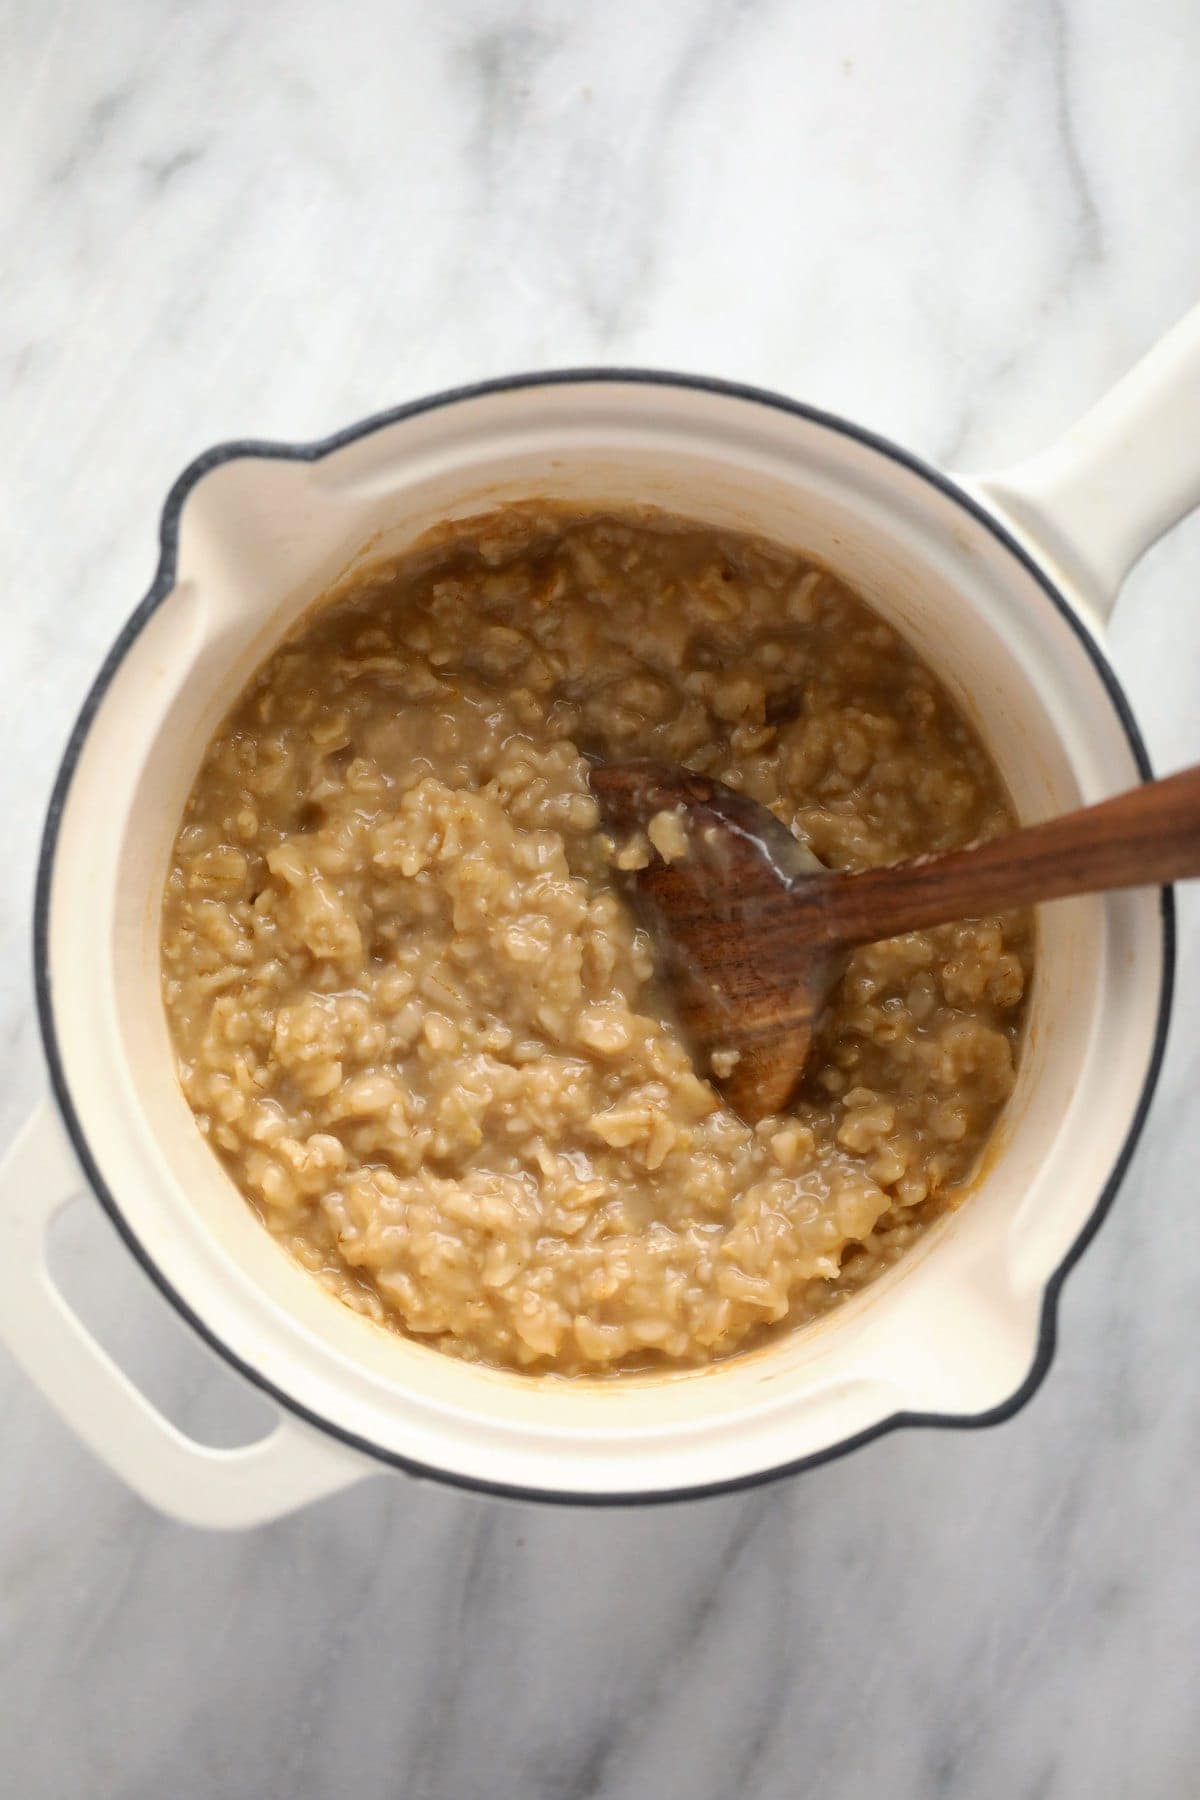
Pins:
<point x="753" y="932"/>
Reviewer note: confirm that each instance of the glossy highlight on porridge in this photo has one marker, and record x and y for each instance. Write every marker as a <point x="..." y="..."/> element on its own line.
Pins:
<point x="417" y="1021"/>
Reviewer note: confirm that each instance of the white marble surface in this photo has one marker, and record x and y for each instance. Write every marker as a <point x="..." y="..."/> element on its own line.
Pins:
<point x="955" y="221"/>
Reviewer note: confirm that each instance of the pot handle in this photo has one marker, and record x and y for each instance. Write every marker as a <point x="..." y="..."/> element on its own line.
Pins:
<point x="218" y="1489"/>
<point x="1096" y="500"/>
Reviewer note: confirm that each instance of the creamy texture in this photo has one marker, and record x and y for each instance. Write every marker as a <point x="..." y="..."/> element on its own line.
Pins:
<point x="418" y="1023"/>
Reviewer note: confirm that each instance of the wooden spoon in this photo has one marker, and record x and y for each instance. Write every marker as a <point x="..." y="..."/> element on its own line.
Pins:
<point x="754" y="932"/>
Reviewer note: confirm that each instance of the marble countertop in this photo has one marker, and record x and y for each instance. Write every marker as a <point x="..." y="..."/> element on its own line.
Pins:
<point x="957" y="223"/>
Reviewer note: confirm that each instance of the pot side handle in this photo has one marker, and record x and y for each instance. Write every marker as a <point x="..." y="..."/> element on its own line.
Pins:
<point x="217" y="1489"/>
<point x="1095" y="501"/>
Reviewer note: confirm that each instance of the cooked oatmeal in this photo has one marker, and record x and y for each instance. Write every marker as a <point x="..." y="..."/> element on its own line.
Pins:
<point x="418" y="1022"/>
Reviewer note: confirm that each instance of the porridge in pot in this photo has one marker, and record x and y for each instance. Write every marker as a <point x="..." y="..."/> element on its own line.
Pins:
<point x="418" y="1022"/>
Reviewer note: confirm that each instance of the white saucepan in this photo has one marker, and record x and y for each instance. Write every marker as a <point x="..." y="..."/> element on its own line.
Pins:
<point x="1002" y="584"/>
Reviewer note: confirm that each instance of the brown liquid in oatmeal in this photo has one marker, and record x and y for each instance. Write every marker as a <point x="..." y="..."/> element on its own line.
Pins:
<point x="418" y="1023"/>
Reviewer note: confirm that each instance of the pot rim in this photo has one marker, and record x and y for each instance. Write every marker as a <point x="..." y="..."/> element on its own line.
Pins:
<point x="162" y="585"/>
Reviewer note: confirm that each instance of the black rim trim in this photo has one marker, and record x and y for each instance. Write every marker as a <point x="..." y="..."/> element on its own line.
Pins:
<point x="164" y="581"/>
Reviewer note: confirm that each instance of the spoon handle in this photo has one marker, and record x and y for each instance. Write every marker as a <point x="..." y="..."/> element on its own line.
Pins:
<point x="1147" y="836"/>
